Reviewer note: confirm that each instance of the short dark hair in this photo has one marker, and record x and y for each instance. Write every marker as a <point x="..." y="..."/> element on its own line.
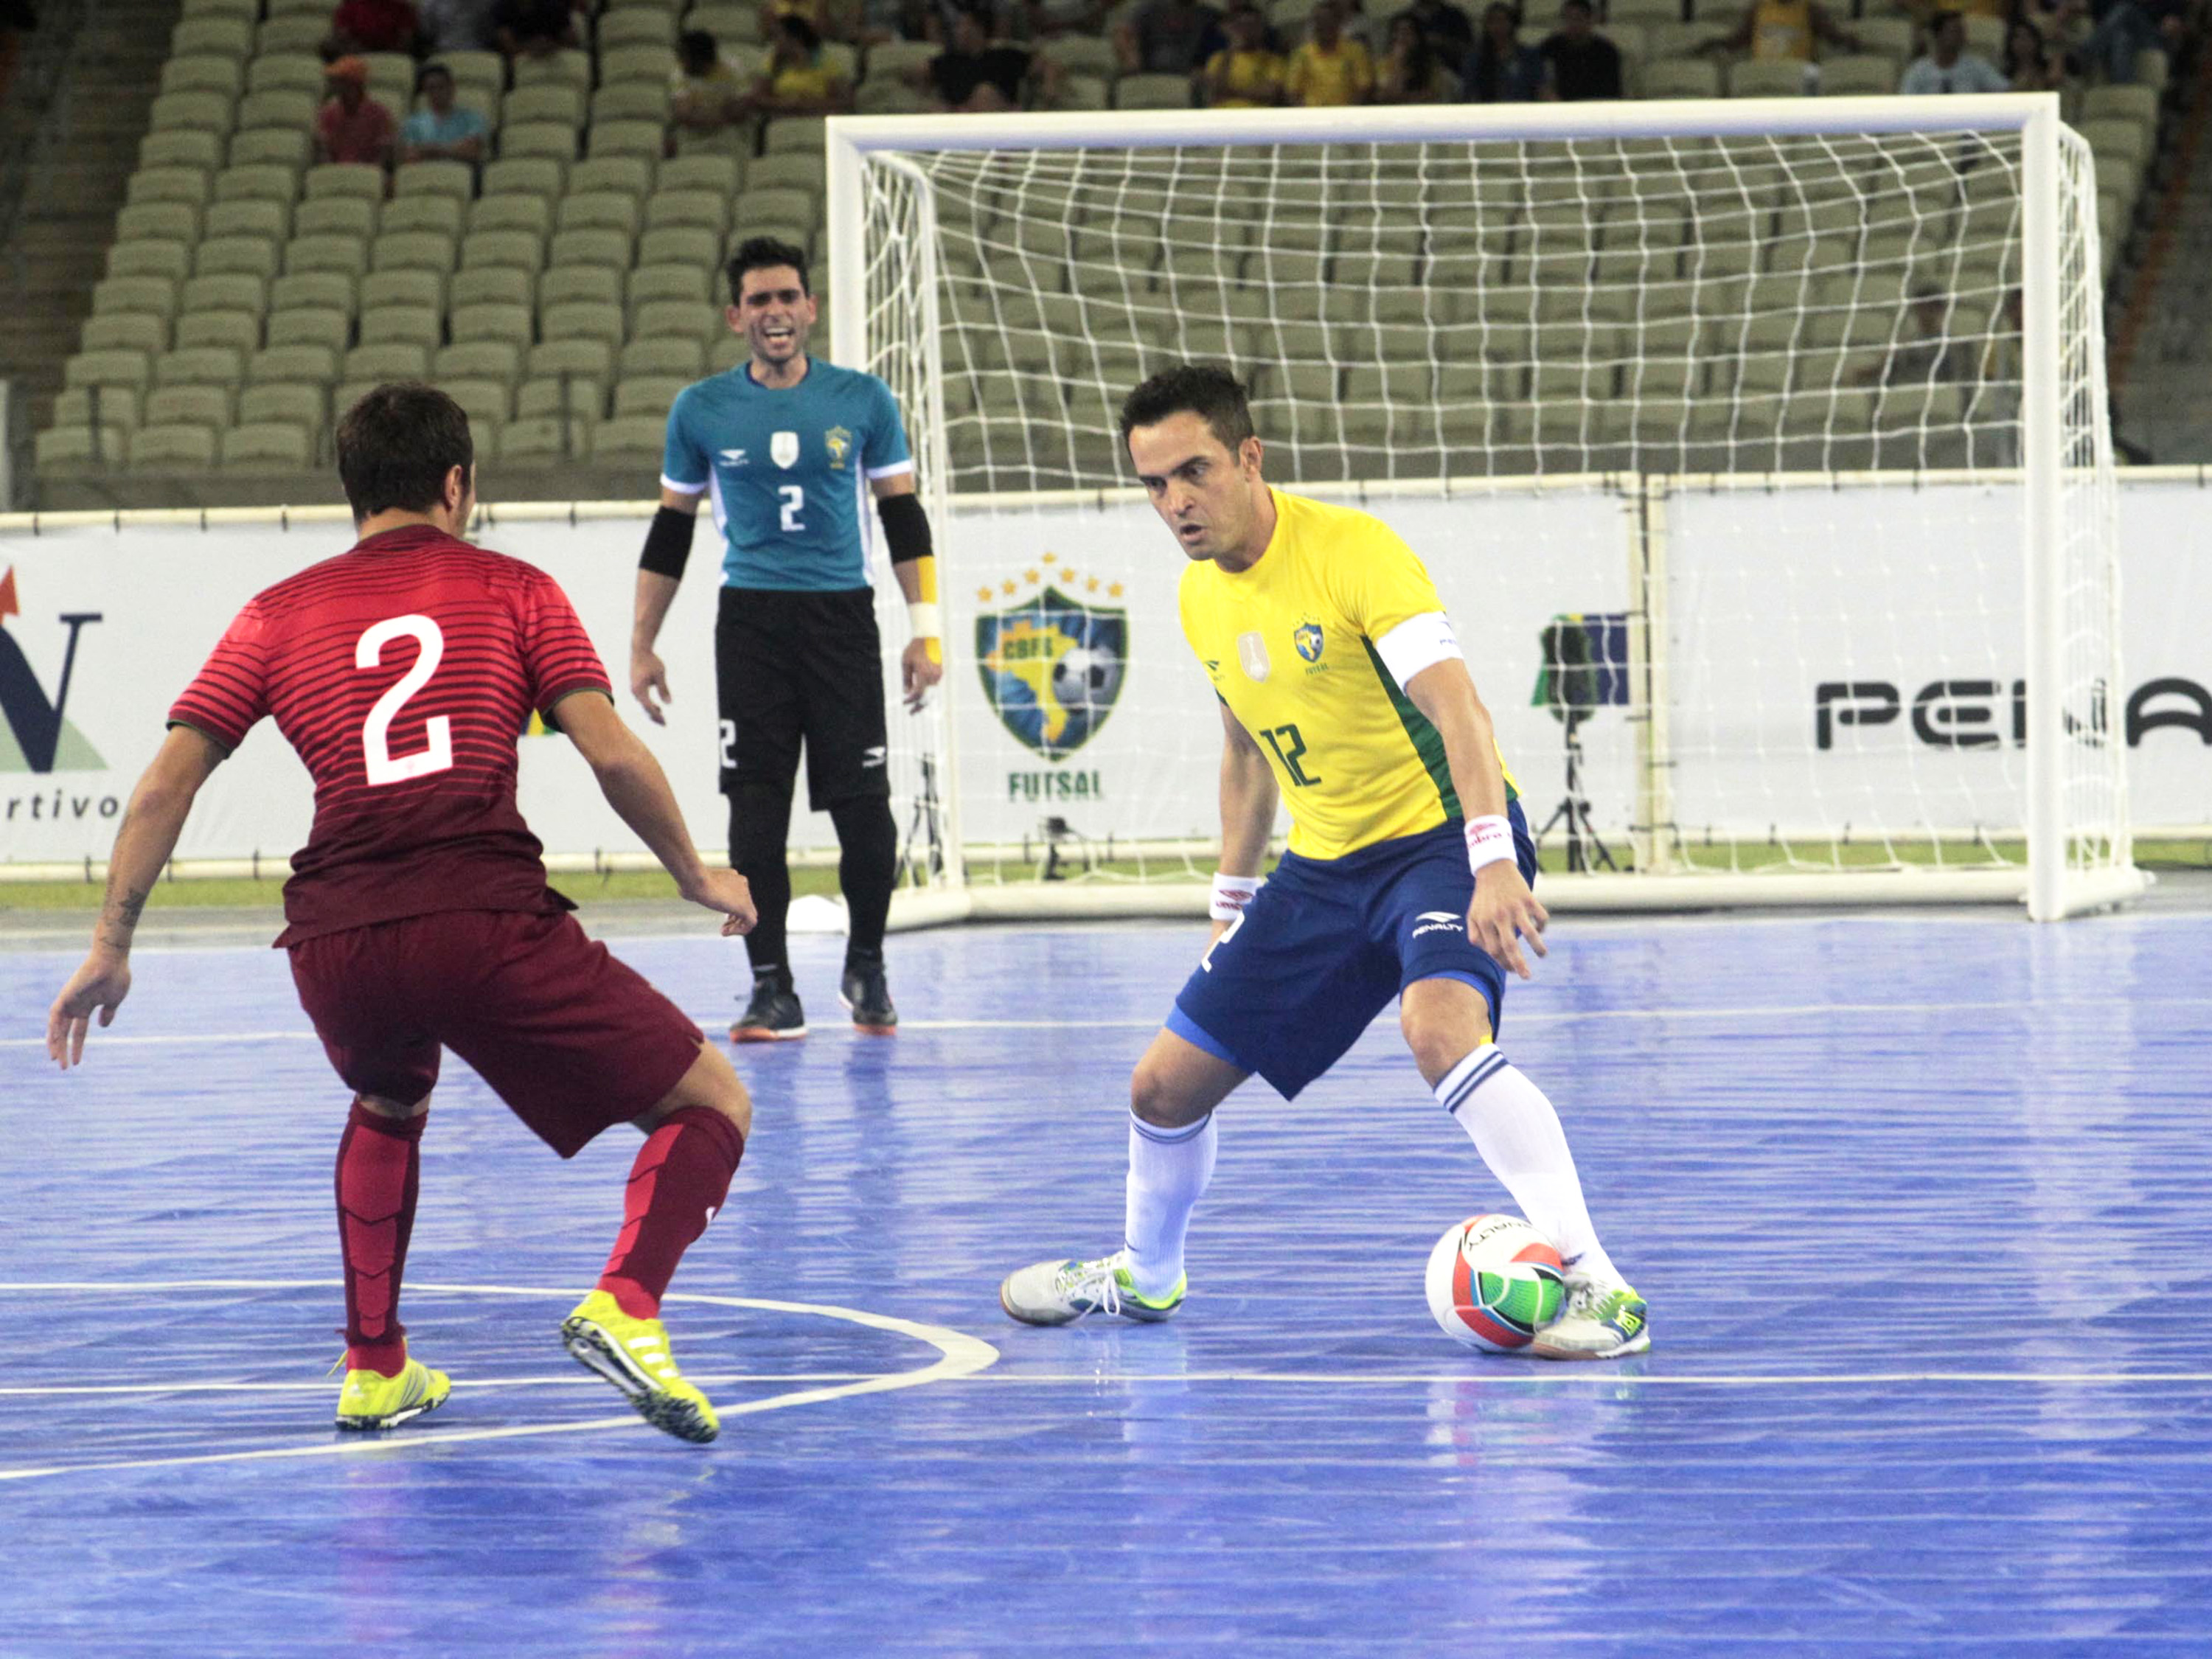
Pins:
<point x="803" y="31"/>
<point x="1205" y="390"/>
<point x="764" y="254"/>
<point x="397" y="444"/>
<point x="422" y="76"/>
<point x="696" y="46"/>
<point x="1936" y="23"/>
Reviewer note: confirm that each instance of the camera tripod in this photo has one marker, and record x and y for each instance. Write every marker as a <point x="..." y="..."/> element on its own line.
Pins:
<point x="1586" y="848"/>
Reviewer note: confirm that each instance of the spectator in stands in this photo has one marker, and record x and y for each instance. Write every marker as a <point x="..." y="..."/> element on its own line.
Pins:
<point x="1411" y="72"/>
<point x="2027" y="66"/>
<point x="352" y="126"/>
<point x="533" y="29"/>
<point x="1169" y="37"/>
<point x="1584" y="64"/>
<point x="1449" y="31"/>
<point x="440" y="130"/>
<point x="456" y="25"/>
<point x="799" y="79"/>
<point x="374" y="24"/>
<point x="1331" y="69"/>
<point x="1948" y="66"/>
<point x="1247" y="73"/>
<point x="974" y="76"/>
<point x="1501" y="70"/>
<point x="704" y="92"/>
<point x="1781" y="31"/>
<point x="2127" y="29"/>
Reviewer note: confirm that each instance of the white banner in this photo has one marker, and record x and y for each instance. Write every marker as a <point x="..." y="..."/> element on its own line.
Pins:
<point x="1832" y="662"/>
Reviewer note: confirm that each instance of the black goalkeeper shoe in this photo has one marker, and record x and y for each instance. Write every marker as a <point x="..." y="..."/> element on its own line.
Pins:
<point x="774" y="1015"/>
<point x="869" y="999"/>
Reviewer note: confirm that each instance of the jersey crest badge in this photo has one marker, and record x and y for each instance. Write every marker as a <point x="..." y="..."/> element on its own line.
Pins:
<point x="783" y="449"/>
<point x="1053" y="668"/>
<point x="1252" y="656"/>
<point x="839" y="442"/>
<point x="1307" y="636"/>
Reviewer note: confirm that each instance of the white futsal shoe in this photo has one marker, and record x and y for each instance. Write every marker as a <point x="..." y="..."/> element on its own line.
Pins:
<point x="1062" y="1292"/>
<point x="1603" y="1319"/>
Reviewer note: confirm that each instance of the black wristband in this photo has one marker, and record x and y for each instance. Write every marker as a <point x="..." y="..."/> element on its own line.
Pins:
<point x="906" y="527"/>
<point x="667" y="544"/>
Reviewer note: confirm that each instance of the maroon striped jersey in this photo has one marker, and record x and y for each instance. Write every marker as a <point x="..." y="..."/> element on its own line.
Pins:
<point x="403" y="672"/>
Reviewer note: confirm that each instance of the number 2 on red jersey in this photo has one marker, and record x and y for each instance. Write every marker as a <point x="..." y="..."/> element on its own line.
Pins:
<point x="383" y="767"/>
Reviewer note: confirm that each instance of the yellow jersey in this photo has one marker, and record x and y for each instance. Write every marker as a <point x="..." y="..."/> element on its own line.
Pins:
<point x="1318" y="79"/>
<point x="1289" y="645"/>
<point x="1250" y="80"/>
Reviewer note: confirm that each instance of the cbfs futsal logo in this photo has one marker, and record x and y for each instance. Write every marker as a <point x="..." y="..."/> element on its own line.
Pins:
<point x="1053" y="664"/>
<point x="35" y="735"/>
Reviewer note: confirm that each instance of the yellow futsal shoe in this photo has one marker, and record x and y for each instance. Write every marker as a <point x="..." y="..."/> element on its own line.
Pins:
<point x="371" y="1400"/>
<point x="632" y="1355"/>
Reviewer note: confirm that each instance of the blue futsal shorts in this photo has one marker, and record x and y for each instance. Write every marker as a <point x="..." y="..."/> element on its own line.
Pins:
<point x="1326" y="943"/>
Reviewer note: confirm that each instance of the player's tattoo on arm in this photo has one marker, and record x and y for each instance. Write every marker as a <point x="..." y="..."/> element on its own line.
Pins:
<point x="119" y="913"/>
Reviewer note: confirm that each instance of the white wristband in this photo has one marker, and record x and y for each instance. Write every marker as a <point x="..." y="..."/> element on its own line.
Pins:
<point x="928" y="623"/>
<point x="1488" y="839"/>
<point x="1231" y="894"/>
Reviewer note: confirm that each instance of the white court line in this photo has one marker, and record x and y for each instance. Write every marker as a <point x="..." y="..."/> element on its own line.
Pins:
<point x="958" y="1355"/>
<point x="1770" y="1011"/>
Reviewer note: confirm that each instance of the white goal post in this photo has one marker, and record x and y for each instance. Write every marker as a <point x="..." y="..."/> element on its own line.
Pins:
<point x="1802" y="399"/>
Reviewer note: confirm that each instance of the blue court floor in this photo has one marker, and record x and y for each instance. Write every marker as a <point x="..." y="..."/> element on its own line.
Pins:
<point x="1923" y="1206"/>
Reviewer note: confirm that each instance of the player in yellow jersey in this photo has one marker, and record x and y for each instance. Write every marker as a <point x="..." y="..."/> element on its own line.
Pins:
<point x="1343" y="690"/>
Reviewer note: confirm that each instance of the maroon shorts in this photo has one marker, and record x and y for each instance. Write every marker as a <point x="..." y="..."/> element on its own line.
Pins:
<point x="570" y="1038"/>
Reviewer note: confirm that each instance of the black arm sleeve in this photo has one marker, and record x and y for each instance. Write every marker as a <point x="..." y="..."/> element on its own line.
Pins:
<point x="906" y="527"/>
<point x="667" y="544"/>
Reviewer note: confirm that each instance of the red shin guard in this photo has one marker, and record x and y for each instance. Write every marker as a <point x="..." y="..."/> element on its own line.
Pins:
<point x="380" y="1162"/>
<point x="681" y="1177"/>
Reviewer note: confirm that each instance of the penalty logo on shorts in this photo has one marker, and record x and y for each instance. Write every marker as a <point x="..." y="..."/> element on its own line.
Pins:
<point x="1053" y="666"/>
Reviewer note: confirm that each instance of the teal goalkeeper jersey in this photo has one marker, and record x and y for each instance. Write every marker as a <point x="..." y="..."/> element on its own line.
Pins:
<point x="787" y="471"/>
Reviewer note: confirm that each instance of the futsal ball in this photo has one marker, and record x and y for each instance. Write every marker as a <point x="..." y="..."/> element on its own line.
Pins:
<point x="1086" y="676"/>
<point x="1493" y="1282"/>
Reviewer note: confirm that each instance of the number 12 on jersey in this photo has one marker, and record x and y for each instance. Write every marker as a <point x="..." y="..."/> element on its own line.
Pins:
<point x="1289" y="748"/>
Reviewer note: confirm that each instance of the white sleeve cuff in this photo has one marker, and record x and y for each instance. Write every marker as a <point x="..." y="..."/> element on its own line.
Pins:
<point x="890" y="472"/>
<point x="682" y="488"/>
<point x="1416" y="643"/>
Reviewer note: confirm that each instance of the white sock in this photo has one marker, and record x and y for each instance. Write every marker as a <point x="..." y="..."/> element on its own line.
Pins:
<point x="1168" y="1172"/>
<point x="1518" y="1134"/>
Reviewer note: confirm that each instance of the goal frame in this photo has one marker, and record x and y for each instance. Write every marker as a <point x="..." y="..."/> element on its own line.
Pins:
<point x="2049" y="887"/>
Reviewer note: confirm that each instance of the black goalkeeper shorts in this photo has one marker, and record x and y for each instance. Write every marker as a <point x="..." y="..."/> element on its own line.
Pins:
<point x="801" y="667"/>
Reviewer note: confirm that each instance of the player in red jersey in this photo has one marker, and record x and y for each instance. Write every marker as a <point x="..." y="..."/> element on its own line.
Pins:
<point x="403" y="672"/>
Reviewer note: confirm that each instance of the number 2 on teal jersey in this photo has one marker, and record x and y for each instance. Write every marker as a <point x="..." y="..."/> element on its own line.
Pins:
<point x="794" y="503"/>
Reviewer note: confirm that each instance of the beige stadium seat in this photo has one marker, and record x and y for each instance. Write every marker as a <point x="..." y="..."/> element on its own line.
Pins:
<point x="637" y="25"/>
<point x="289" y="36"/>
<point x="154" y="295"/>
<point x="550" y="140"/>
<point x="337" y="215"/>
<point x="1752" y="78"/>
<point x="152" y="257"/>
<point x="1865" y="75"/>
<point x="70" y="449"/>
<point x="412" y="251"/>
<point x="311" y="325"/>
<point x="202" y="72"/>
<point x="626" y="175"/>
<point x="572" y="68"/>
<point x="343" y="178"/>
<point x="649" y="63"/>
<point x="401" y="326"/>
<point x="279" y="109"/>
<point x="479" y="359"/>
<point x="678" y="320"/>
<point x="189" y="186"/>
<point x="199" y="366"/>
<point x="269" y="147"/>
<point x="177" y="148"/>
<point x="174" y="222"/>
<point x="390" y="79"/>
<point x="552" y="102"/>
<point x="504" y="285"/>
<point x="679" y="245"/>
<point x="190" y="406"/>
<point x="347" y="393"/>
<point x="485" y="401"/>
<point x="583" y="320"/>
<point x="386" y="362"/>
<point x="631" y="101"/>
<point x="257" y="181"/>
<point x="533" y="214"/>
<point x="1152" y="92"/>
<point x="510" y="323"/>
<point x="172" y="449"/>
<point x="270" y="220"/>
<point x="803" y="133"/>
<point x="727" y="23"/>
<point x="320" y="290"/>
<point x="725" y="173"/>
<point x="238" y="256"/>
<point x="599" y="210"/>
<point x="638" y="438"/>
<point x="706" y="208"/>
<point x="91" y="405"/>
<point x="126" y="330"/>
<point x="545" y="439"/>
<point x="586" y="398"/>
<point x="587" y="360"/>
<point x="601" y="247"/>
<point x="731" y="350"/>
<point x="573" y="284"/>
<point x="792" y="170"/>
<point x="267" y="447"/>
<point x="2119" y="138"/>
<point x="286" y="72"/>
<point x="524" y="175"/>
<point x="642" y="139"/>
<point x="237" y="330"/>
<point x="474" y="70"/>
<point x="230" y="37"/>
<point x="1682" y="77"/>
<point x="2135" y="103"/>
<point x="518" y="250"/>
<point x="693" y="284"/>
<point x="439" y="216"/>
<point x="654" y="367"/>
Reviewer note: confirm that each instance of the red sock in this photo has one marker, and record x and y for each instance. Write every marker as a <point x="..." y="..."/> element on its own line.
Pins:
<point x="680" y="1179"/>
<point x="379" y="1160"/>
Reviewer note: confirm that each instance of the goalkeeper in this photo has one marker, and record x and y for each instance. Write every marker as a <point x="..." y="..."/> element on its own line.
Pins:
<point x="783" y="442"/>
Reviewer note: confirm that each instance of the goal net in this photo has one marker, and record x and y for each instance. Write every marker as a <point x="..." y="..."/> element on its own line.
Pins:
<point x="1760" y="450"/>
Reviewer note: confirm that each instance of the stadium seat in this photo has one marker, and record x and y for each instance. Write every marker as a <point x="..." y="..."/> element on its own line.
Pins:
<point x="602" y="248"/>
<point x="708" y="211"/>
<point x="292" y="36"/>
<point x="87" y="406"/>
<point x="286" y="72"/>
<point x="257" y="181"/>
<point x="188" y="187"/>
<point x="1682" y="77"/>
<point x="572" y="284"/>
<point x="586" y="397"/>
<point x="518" y="250"/>
<point x="392" y="360"/>
<point x="172" y="449"/>
<point x="244" y="256"/>
<point x="639" y="138"/>
<point x="439" y="216"/>
<point x="237" y="330"/>
<point x="343" y="179"/>
<point x="585" y="360"/>
<point x="126" y="330"/>
<point x="228" y="37"/>
<point x="314" y="326"/>
<point x="572" y="68"/>
<point x="800" y="133"/>
<point x="628" y="175"/>
<point x="631" y="63"/>
<point x="414" y="251"/>
<point x="656" y="364"/>
<point x="550" y="140"/>
<point x="1152" y="92"/>
<point x="337" y="215"/>
<point x="282" y="109"/>
<point x="156" y="295"/>
<point x="267" y="447"/>
<point x="632" y="100"/>
<point x="179" y="149"/>
<point x="2122" y="138"/>
<point x="583" y="320"/>
<point x="268" y="147"/>
<point x="479" y="359"/>
<point x="526" y="175"/>
<point x="321" y="290"/>
<point x="599" y="210"/>
<point x="679" y="320"/>
<point x="507" y="285"/>
<point x="402" y="324"/>
<point x="171" y="222"/>
<point x="190" y="406"/>
<point x="476" y="71"/>
<point x="347" y="393"/>
<point x="510" y="323"/>
<point x="532" y="214"/>
<point x="638" y="438"/>
<point x="486" y="402"/>
<point x="637" y="25"/>
<point x="554" y="102"/>
<point x="1861" y="76"/>
<point x="270" y="221"/>
<point x="204" y="365"/>
<point x="729" y="23"/>
<point x="693" y="284"/>
<point x="677" y="244"/>
<point x="725" y="173"/>
<point x="69" y="449"/>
